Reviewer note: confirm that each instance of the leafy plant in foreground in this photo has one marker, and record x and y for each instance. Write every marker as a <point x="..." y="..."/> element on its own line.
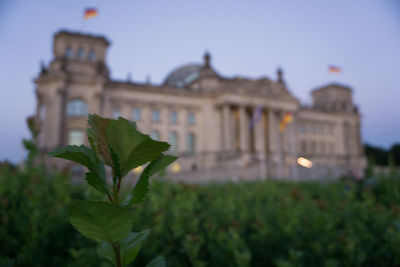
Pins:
<point x="119" y="145"/>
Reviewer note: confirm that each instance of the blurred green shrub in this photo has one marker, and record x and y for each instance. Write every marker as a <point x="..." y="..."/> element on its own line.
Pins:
<point x="268" y="223"/>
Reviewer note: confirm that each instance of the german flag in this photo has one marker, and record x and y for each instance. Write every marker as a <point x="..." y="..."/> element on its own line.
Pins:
<point x="334" y="69"/>
<point x="90" y="13"/>
<point x="287" y="118"/>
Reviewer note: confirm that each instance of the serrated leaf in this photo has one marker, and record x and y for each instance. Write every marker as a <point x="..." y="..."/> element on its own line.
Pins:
<point x="97" y="137"/>
<point x="78" y="154"/>
<point x="106" y="251"/>
<point x="146" y="151"/>
<point x="96" y="176"/>
<point x="158" y="261"/>
<point x="99" y="184"/>
<point x="141" y="188"/>
<point x="130" y="246"/>
<point x="101" y="221"/>
<point x="131" y="147"/>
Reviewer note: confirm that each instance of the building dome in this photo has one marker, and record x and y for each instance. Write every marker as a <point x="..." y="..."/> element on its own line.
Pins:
<point x="183" y="76"/>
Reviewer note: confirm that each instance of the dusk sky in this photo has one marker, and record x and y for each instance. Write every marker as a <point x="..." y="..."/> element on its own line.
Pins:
<point x="248" y="38"/>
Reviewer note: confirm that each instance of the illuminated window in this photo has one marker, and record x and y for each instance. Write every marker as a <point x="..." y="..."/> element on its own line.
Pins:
<point x="191" y="118"/>
<point x="75" y="137"/>
<point x="77" y="108"/>
<point x="116" y="113"/>
<point x="191" y="143"/>
<point x="92" y="55"/>
<point x="137" y="114"/>
<point x="173" y="117"/>
<point x="173" y="140"/>
<point x="155" y="135"/>
<point x="155" y="115"/>
<point x="81" y="53"/>
<point x="69" y="53"/>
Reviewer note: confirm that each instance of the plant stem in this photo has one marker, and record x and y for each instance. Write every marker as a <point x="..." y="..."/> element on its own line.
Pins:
<point x="117" y="255"/>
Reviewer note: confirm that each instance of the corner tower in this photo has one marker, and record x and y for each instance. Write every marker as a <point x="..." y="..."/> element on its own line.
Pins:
<point x="70" y="87"/>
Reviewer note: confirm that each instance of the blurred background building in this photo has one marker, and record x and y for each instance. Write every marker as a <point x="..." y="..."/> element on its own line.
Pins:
<point x="220" y="127"/>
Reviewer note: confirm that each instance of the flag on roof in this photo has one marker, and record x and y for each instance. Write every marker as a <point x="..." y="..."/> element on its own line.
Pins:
<point x="334" y="69"/>
<point x="287" y="118"/>
<point x="90" y="13"/>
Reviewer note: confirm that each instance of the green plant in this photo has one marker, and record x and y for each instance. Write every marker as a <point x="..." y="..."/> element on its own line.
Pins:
<point x="119" y="145"/>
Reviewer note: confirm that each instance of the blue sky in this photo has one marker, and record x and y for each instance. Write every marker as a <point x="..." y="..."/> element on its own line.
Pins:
<point x="249" y="38"/>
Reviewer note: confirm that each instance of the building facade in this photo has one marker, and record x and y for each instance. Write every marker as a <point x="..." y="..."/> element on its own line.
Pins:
<point x="220" y="127"/>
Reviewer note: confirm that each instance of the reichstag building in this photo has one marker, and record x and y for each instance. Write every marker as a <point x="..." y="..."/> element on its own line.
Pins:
<point x="220" y="127"/>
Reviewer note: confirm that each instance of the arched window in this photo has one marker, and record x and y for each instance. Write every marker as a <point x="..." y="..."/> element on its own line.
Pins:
<point x="173" y="140"/>
<point x="92" y="55"/>
<point x="69" y="53"/>
<point x="81" y="53"/>
<point x="75" y="137"/>
<point x="77" y="108"/>
<point x="191" y="143"/>
<point x="155" y="135"/>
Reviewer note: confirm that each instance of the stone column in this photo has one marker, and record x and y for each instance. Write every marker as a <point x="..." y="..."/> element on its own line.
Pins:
<point x="259" y="143"/>
<point x="227" y="129"/>
<point x="244" y="131"/>
<point x="275" y="145"/>
<point x="293" y="149"/>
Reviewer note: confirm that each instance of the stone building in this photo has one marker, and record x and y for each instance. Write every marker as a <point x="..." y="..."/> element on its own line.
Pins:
<point x="219" y="127"/>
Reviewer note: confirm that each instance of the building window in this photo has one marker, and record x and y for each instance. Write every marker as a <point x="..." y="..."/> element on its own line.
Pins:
<point x="191" y="143"/>
<point x="173" y="117"/>
<point x="116" y="113"/>
<point x="75" y="137"/>
<point x="77" y="108"/>
<point x="81" y="53"/>
<point x="42" y="112"/>
<point x="191" y="118"/>
<point x="312" y="129"/>
<point x="302" y="128"/>
<point x="137" y="114"/>
<point x="92" y="55"/>
<point x="155" y="115"/>
<point x="173" y="140"/>
<point x="69" y="53"/>
<point x="303" y="147"/>
<point x="155" y="135"/>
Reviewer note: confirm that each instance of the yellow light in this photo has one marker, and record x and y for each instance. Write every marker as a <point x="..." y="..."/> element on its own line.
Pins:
<point x="304" y="162"/>
<point x="138" y="169"/>
<point x="176" y="167"/>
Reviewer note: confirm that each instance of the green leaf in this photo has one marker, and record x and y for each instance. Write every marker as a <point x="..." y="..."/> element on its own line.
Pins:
<point x="99" y="184"/>
<point x="131" y="147"/>
<point x="158" y="261"/>
<point x="142" y="186"/>
<point x="145" y="152"/>
<point x="131" y="245"/>
<point x="129" y="248"/>
<point x="97" y="137"/>
<point x="96" y="176"/>
<point x="106" y="251"/>
<point x="101" y="221"/>
<point x="78" y="154"/>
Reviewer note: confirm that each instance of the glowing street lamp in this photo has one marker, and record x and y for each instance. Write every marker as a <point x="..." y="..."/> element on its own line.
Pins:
<point x="306" y="163"/>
